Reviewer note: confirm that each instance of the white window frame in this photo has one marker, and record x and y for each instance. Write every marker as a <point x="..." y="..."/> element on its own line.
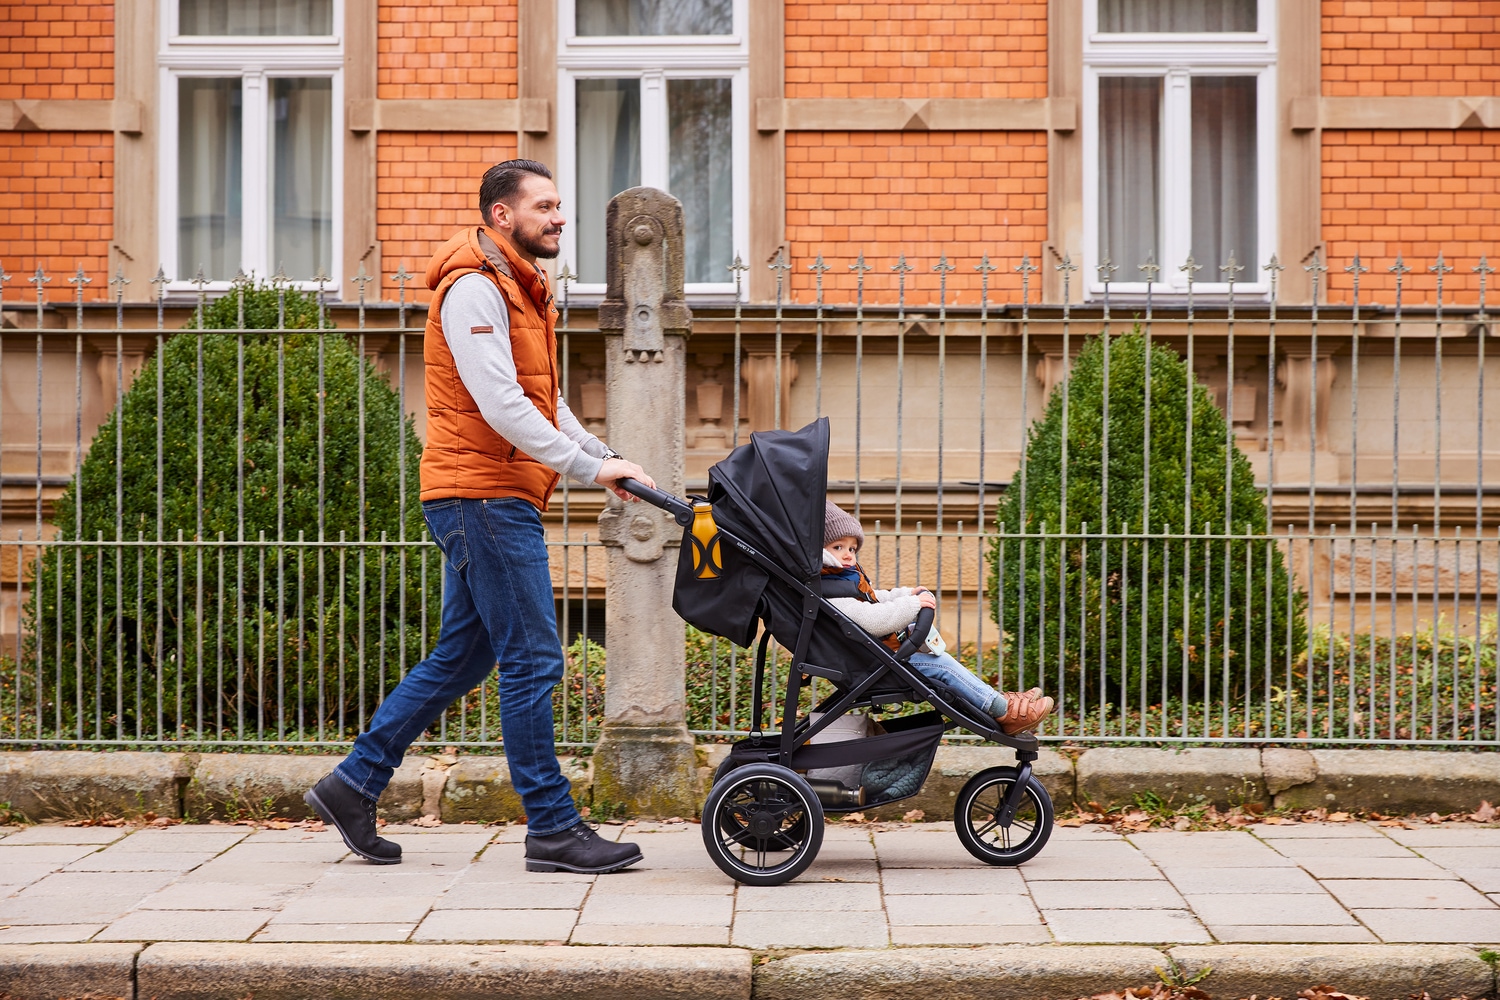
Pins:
<point x="255" y="59"/>
<point x="654" y="60"/>
<point x="1176" y="58"/>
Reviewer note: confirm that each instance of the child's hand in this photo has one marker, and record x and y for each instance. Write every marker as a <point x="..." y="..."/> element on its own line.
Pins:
<point x="927" y="599"/>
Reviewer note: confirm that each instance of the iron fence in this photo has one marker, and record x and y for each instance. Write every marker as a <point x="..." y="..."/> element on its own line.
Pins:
<point x="1191" y="516"/>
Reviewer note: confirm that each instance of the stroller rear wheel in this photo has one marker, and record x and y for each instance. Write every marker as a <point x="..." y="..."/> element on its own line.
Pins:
<point x="781" y="841"/>
<point x="975" y="818"/>
<point x="762" y="824"/>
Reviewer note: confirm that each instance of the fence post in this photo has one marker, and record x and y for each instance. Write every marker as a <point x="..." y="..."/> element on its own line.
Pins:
<point x="645" y="760"/>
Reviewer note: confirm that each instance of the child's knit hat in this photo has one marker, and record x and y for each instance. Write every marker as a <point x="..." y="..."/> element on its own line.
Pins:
<point x="839" y="524"/>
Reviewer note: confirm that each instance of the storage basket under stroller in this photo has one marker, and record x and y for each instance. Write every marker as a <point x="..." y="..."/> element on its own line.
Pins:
<point x="750" y="565"/>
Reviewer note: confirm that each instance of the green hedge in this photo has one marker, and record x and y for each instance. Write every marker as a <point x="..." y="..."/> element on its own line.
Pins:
<point x="1128" y="621"/>
<point x="234" y="636"/>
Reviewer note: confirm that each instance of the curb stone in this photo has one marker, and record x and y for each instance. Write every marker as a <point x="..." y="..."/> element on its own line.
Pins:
<point x="1395" y="781"/>
<point x="1021" y="972"/>
<point x="439" y="972"/>
<point x="1378" y="971"/>
<point x="49" y="971"/>
<point x="1225" y="777"/>
<point x="235" y="785"/>
<point x="66" y="784"/>
<point x="82" y="784"/>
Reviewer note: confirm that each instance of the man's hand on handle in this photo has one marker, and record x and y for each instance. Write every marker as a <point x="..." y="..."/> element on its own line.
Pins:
<point x="615" y="469"/>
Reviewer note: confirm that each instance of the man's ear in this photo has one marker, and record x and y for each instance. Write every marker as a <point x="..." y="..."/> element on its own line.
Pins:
<point x="497" y="212"/>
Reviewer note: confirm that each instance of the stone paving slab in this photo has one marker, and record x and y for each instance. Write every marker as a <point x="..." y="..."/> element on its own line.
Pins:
<point x="872" y="887"/>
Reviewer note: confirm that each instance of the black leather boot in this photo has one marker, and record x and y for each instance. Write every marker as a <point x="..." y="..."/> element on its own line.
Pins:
<point x="353" y="816"/>
<point x="578" y="849"/>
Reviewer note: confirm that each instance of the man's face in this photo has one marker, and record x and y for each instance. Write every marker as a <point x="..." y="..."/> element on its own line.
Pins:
<point x="532" y="220"/>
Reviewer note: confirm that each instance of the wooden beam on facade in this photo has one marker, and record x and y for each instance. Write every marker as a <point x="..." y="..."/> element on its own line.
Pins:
<point x="1401" y="113"/>
<point x="70" y="116"/>
<point x="898" y="115"/>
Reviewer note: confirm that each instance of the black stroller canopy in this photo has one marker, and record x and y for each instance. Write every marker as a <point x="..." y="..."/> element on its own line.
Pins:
<point x="773" y="490"/>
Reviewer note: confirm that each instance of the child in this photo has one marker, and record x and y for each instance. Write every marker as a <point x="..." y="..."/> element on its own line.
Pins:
<point x="882" y="612"/>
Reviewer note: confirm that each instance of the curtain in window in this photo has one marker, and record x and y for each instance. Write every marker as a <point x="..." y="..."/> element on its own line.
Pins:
<point x="1224" y="189"/>
<point x="255" y="17"/>
<point x="654" y="17"/>
<point x="301" y="168"/>
<point x="609" y="161"/>
<point x="1129" y="171"/>
<point x="1177" y="15"/>
<point x="209" y="114"/>
<point x="701" y="174"/>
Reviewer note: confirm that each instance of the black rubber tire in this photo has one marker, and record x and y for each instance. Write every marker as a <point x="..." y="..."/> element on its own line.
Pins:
<point x="974" y="818"/>
<point x="758" y="810"/>
<point x="777" y="842"/>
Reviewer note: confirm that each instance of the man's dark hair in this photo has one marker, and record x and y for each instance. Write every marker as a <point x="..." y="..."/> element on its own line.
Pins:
<point x="503" y="180"/>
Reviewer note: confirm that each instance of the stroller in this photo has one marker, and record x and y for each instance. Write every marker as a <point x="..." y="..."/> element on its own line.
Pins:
<point x="752" y="553"/>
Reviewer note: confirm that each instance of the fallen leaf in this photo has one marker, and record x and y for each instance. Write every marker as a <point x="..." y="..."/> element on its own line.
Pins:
<point x="1273" y="820"/>
<point x="1338" y="817"/>
<point x="1486" y="813"/>
<point x="1183" y="824"/>
<point x="675" y="819"/>
<point x="429" y="820"/>
<point x="278" y="825"/>
<point x="854" y="817"/>
<point x="913" y="816"/>
<point x="1401" y="824"/>
<point x="1072" y="821"/>
<point x="832" y="878"/>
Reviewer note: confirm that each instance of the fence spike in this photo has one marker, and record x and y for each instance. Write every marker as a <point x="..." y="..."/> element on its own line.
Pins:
<point x="1231" y="270"/>
<point x="985" y="267"/>
<point x="1150" y="269"/>
<point x="362" y="279"/>
<point x="4" y="277"/>
<point x="1107" y="269"/>
<point x="859" y="264"/>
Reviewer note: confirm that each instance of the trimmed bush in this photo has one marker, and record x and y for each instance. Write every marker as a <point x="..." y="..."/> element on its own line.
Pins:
<point x="263" y="632"/>
<point x="1136" y="621"/>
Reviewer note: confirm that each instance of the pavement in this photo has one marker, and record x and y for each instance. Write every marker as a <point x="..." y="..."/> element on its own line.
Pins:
<point x="873" y="886"/>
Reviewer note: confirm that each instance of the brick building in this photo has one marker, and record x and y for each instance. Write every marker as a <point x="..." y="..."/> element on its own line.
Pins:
<point x="326" y="134"/>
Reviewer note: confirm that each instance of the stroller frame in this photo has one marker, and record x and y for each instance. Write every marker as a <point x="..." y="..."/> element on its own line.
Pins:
<point x="791" y="749"/>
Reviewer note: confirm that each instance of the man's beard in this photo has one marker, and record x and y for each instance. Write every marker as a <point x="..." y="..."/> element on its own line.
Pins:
<point x="532" y="242"/>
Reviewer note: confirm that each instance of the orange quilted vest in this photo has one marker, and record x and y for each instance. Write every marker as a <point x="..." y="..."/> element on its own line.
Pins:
<point x="465" y="457"/>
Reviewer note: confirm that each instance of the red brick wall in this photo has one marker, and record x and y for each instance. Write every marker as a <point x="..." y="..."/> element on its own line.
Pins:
<point x="1416" y="193"/>
<point x="56" y="209"/>
<point x="463" y="49"/>
<point x="965" y="194"/>
<point x="428" y="188"/>
<point x="1400" y="48"/>
<point x="916" y="50"/>
<point x="57" y="51"/>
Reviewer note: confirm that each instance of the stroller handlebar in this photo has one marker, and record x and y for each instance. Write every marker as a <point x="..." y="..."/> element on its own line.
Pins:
<point x="917" y="634"/>
<point x="681" y="510"/>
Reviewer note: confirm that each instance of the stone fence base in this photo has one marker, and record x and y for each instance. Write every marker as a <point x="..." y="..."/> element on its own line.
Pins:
<point x="70" y="785"/>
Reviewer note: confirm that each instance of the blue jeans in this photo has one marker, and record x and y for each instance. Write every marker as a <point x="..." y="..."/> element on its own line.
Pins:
<point x="942" y="667"/>
<point x="497" y="605"/>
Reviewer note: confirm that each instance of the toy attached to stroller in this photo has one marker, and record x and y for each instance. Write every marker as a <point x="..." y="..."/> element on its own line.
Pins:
<point x="752" y="554"/>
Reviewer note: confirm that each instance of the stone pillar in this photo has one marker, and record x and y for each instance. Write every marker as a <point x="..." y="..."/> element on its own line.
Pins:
<point x="759" y="372"/>
<point x="1306" y="448"/>
<point x="645" y="760"/>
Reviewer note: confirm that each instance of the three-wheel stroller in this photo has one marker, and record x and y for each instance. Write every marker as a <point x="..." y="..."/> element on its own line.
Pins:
<point x="752" y="553"/>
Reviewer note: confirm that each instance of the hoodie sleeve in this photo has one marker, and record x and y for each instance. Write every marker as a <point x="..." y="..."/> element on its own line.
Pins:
<point x="879" y="619"/>
<point x="488" y="371"/>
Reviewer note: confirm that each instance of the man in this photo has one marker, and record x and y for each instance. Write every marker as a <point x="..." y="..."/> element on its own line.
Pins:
<point x="498" y="435"/>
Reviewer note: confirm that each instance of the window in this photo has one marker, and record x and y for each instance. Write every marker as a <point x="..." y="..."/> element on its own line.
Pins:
<point x="1179" y="153"/>
<point x="653" y="92"/>
<point x="249" y="163"/>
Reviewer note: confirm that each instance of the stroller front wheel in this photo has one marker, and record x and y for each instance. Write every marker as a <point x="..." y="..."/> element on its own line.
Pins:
<point x="975" y="818"/>
<point x="762" y="824"/>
